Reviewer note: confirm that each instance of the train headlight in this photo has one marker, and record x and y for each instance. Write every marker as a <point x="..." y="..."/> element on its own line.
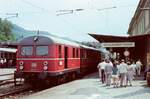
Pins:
<point x="60" y="63"/>
<point x="45" y="63"/>
<point x="21" y="67"/>
<point x="21" y="63"/>
<point x="45" y="67"/>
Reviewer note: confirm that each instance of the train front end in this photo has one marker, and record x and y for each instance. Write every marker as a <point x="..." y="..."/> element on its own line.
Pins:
<point x="34" y="58"/>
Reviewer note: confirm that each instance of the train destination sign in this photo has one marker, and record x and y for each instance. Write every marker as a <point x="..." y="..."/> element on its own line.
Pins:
<point x="118" y="44"/>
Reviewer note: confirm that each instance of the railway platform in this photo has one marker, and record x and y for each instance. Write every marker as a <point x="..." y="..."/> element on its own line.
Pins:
<point x="6" y="74"/>
<point x="90" y="87"/>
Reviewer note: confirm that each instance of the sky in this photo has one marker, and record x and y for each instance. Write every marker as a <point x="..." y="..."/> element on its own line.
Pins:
<point x="98" y="16"/>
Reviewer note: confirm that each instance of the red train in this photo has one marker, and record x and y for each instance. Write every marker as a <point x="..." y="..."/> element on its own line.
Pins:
<point x="53" y="59"/>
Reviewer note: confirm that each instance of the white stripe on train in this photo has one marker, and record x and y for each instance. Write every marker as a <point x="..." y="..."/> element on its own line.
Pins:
<point x="46" y="58"/>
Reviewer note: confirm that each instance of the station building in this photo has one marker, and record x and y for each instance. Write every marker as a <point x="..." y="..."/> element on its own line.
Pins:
<point x="137" y="44"/>
<point x="139" y="30"/>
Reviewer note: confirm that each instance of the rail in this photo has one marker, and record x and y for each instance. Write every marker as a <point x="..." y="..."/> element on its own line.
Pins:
<point x="14" y="90"/>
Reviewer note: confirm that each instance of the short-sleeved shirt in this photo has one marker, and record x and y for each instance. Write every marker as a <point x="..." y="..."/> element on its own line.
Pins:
<point x="102" y="65"/>
<point x="123" y="68"/>
<point x="138" y="64"/>
<point x="108" y="68"/>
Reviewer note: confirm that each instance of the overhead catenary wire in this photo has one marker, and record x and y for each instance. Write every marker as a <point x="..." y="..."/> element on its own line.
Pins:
<point x="64" y="13"/>
<point x="35" y="6"/>
<point x="67" y="11"/>
<point x="49" y="12"/>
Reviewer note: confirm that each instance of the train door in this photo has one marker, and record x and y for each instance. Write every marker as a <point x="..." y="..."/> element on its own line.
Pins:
<point x="66" y="57"/>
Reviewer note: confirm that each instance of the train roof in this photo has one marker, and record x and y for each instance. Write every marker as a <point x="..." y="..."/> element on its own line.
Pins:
<point x="46" y="39"/>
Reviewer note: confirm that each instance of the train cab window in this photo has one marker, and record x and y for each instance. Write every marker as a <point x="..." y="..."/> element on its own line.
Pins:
<point x="26" y="50"/>
<point x="42" y="50"/>
<point x="59" y="51"/>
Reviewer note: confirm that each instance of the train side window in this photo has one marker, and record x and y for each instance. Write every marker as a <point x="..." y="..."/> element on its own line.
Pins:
<point x="85" y="54"/>
<point x="26" y="50"/>
<point x="59" y="51"/>
<point x="42" y="50"/>
<point x="2" y="55"/>
<point x="73" y="53"/>
<point x="77" y="53"/>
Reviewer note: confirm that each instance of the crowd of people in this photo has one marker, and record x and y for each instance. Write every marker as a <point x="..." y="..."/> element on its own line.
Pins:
<point x="119" y="73"/>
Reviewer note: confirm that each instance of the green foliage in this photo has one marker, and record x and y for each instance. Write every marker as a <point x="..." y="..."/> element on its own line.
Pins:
<point x="5" y="31"/>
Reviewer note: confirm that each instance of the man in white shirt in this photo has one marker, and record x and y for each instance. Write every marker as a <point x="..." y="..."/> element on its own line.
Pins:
<point x="123" y="71"/>
<point x="133" y="65"/>
<point x="138" y="67"/>
<point x="101" y="67"/>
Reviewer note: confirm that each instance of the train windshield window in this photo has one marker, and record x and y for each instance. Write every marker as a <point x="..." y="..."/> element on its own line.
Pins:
<point x="42" y="50"/>
<point x="26" y="50"/>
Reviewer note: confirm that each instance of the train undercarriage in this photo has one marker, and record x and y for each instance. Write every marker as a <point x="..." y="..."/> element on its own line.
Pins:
<point x="45" y="78"/>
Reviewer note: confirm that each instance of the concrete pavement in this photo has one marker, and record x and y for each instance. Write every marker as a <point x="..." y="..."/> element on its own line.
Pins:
<point x="91" y="88"/>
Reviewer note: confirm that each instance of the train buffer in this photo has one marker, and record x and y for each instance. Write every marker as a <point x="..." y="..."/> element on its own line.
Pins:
<point x="90" y="87"/>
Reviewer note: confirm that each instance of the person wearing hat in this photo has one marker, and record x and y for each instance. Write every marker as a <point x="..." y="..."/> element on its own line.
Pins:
<point x="123" y="72"/>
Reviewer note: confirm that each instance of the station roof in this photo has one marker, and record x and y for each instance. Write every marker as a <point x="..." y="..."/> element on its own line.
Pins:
<point x="109" y="38"/>
<point x="11" y="50"/>
<point x="9" y="43"/>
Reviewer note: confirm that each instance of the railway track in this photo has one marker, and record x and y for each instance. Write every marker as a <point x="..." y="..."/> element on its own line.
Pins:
<point x="14" y="90"/>
<point x="5" y="82"/>
<point x="7" y="85"/>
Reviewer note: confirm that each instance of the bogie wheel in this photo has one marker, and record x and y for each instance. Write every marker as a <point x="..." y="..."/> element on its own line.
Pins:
<point x="73" y="76"/>
<point x="61" y="79"/>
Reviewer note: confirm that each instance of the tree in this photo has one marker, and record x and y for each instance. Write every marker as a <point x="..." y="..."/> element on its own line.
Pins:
<point x="5" y="30"/>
